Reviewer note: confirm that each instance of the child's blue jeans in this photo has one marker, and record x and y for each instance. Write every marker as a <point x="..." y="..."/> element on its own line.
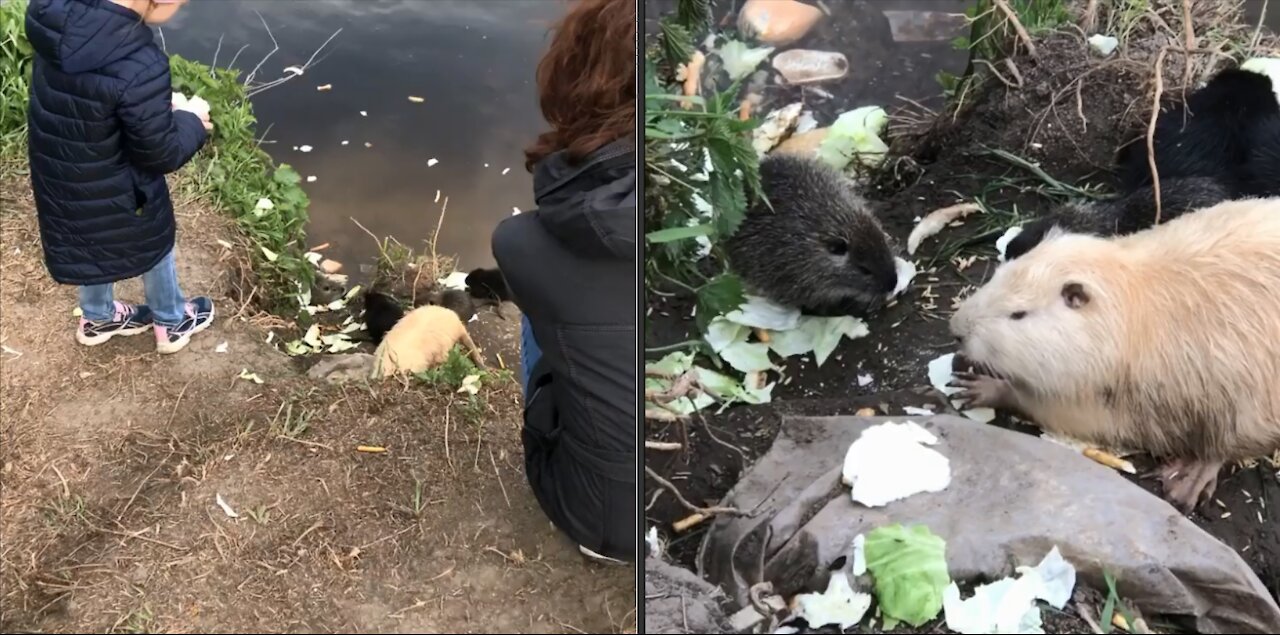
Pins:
<point x="164" y="298"/>
<point x="529" y="353"/>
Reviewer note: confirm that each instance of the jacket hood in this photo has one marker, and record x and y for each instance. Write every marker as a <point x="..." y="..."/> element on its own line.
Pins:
<point x="84" y="35"/>
<point x="590" y="205"/>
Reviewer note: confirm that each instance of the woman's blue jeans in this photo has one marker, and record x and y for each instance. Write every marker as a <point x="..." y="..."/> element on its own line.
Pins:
<point x="529" y="353"/>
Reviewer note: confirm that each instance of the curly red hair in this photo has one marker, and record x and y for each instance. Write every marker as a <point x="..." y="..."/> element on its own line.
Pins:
<point x="587" y="80"/>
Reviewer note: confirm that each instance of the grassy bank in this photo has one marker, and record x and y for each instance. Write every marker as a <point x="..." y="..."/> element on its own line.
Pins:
<point x="233" y="172"/>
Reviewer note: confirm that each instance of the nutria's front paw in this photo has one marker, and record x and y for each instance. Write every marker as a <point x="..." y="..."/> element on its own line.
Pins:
<point x="980" y="391"/>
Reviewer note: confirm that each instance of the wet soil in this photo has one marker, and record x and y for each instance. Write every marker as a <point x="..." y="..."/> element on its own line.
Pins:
<point x="1070" y="115"/>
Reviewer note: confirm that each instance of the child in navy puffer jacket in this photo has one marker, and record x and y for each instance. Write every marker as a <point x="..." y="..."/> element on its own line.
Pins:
<point x="103" y="132"/>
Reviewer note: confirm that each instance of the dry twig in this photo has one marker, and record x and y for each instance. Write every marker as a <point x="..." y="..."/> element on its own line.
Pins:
<point x="1012" y="16"/>
<point x="1151" y="130"/>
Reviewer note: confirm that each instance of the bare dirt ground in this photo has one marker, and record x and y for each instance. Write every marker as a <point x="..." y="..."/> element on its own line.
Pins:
<point x="1069" y="114"/>
<point x="112" y="459"/>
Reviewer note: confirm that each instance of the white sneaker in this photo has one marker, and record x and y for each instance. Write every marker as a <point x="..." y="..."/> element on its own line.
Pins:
<point x="599" y="558"/>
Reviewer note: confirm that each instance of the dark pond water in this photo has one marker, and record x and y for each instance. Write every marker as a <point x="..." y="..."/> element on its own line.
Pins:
<point x="471" y="61"/>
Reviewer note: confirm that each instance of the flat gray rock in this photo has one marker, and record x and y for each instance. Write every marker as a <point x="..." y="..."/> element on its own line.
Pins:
<point x="1012" y="498"/>
<point x="342" y="368"/>
<point x="677" y="601"/>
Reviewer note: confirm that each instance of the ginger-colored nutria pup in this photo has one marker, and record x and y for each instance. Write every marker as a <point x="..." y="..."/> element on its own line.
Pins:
<point x="1166" y="340"/>
<point x="421" y="340"/>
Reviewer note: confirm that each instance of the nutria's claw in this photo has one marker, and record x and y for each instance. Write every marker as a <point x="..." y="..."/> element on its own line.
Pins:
<point x="1188" y="484"/>
<point x="978" y="391"/>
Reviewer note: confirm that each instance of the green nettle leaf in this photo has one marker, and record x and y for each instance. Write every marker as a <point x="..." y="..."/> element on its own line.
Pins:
<point x="729" y="201"/>
<point x="722" y="294"/>
<point x="693" y="14"/>
<point x="678" y="233"/>
<point x="677" y="42"/>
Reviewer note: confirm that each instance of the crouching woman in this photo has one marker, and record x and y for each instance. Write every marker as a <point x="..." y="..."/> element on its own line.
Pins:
<point x="570" y="266"/>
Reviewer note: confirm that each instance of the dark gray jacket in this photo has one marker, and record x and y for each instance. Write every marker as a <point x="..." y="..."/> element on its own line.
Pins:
<point x="571" y="265"/>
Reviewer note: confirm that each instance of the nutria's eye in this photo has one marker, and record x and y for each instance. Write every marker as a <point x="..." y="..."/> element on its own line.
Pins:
<point x="838" y="247"/>
<point x="1017" y="315"/>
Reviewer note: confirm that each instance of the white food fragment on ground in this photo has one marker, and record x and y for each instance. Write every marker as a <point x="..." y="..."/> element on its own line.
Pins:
<point x="1009" y="605"/>
<point x="890" y="462"/>
<point x="741" y="60"/>
<point x="364" y="113"/>
<point x="859" y="555"/>
<point x="455" y="280"/>
<point x="1103" y="44"/>
<point x="838" y="605"/>
<point x="432" y="161"/>
<point x="221" y="348"/>
<point x="906" y="273"/>
<point x="762" y="313"/>
<point x="515" y="211"/>
<point x="226" y="509"/>
<point x="304" y="148"/>
<point x="936" y="221"/>
<point x="940" y="374"/>
<point x="865" y="380"/>
<point x="346" y="142"/>
<point x="294" y="70"/>
<point x="856" y="135"/>
<point x="1002" y="243"/>
<point x="505" y="170"/>
<point x="311" y="179"/>
<point x="918" y="412"/>
<point x="776" y="125"/>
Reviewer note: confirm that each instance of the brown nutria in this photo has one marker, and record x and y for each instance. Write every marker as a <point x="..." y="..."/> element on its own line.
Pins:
<point x="820" y="249"/>
<point x="1166" y="340"/>
<point x="422" y="340"/>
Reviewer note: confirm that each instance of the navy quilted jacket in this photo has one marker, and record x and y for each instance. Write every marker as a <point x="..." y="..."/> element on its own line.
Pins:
<point x="102" y="136"/>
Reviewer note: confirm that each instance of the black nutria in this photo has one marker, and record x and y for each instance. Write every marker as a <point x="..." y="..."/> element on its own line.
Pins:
<point x="1222" y="144"/>
<point x="381" y="312"/>
<point x="820" y="248"/>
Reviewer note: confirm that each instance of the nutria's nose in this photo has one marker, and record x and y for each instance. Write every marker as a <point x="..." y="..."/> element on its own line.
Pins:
<point x="960" y="340"/>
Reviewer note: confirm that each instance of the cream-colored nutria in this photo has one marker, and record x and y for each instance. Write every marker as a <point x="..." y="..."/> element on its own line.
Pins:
<point x="1167" y="340"/>
<point x="421" y="340"/>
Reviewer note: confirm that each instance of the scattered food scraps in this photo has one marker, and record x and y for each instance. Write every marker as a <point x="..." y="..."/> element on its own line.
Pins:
<point x="856" y="135"/>
<point x="225" y="244"/>
<point x="936" y="221"/>
<point x="324" y="87"/>
<point x="909" y="565"/>
<point x="311" y="179"/>
<point x="270" y="255"/>
<point x="416" y="100"/>
<point x="940" y="374"/>
<point x="364" y="113"/>
<point x="918" y="412"/>
<point x="294" y="70"/>
<point x="10" y="351"/>
<point x="221" y="348"/>
<point x="304" y="148"/>
<point x="890" y="462"/>
<point x="778" y="22"/>
<point x="226" y="509"/>
<point x="906" y="273"/>
<point x="248" y="376"/>
<point x="1110" y="460"/>
<point x="1008" y="605"/>
<point x="838" y="605"/>
<point x="368" y="145"/>
<point x="505" y="170"/>
<point x="1103" y="44"/>
<point x="432" y="161"/>
<point x="741" y="60"/>
<point x="775" y="126"/>
<point x="346" y="142"/>
<point x="803" y="66"/>
<point x="372" y="449"/>
<point x="865" y="380"/>
<point x="470" y="384"/>
<point x="264" y="203"/>
<point x="515" y="211"/>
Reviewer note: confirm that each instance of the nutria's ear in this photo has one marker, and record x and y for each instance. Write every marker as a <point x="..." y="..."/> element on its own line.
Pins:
<point x="1074" y="295"/>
